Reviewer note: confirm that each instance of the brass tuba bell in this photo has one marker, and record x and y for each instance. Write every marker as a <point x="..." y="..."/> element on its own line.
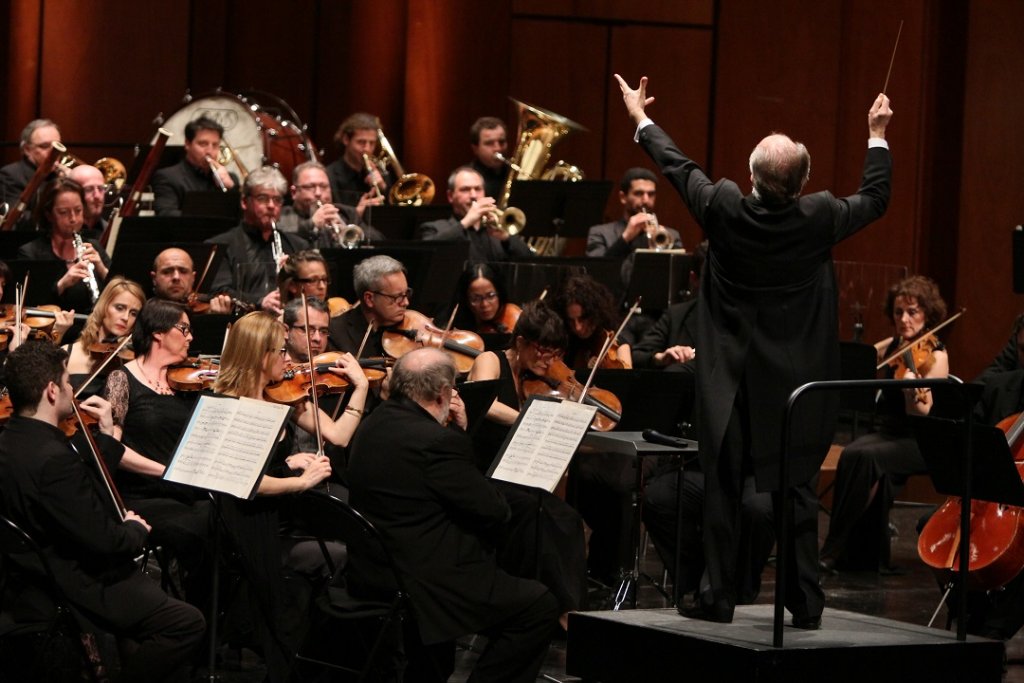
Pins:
<point x="411" y="189"/>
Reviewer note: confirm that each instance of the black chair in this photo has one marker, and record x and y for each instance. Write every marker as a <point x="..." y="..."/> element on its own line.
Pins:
<point x="329" y="518"/>
<point x="25" y="569"/>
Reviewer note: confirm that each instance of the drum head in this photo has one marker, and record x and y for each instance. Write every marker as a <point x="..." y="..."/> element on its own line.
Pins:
<point x="257" y="137"/>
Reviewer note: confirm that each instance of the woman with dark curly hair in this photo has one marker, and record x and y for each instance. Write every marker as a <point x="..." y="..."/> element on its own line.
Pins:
<point x="873" y="466"/>
<point x="588" y="309"/>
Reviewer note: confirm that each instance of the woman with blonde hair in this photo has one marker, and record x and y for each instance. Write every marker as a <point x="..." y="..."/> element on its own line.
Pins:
<point x="112" y="318"/>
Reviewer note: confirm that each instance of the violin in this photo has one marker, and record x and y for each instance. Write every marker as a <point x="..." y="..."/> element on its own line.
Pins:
<point x="105" y="347"/>
<point x="70" y="424"/>
<point x="336" y="305"/>
<point x="297" y="385"/>
<point x="200" y="304"/>
<point x="195" y="374"/>
<point x="997" y="531"/>
<point x="417" y="331"/>
<point x="560" y="382"/>
<point x="504" y="322"/>
<point x="39" y="318"/>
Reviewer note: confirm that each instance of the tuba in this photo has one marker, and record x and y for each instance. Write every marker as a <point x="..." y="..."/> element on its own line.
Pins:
<point x="411" y="189"/>
<point x="539" y="131"/>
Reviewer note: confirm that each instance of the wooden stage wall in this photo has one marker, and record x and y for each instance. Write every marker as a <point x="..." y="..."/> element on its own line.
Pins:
<point x="724" y="72"/>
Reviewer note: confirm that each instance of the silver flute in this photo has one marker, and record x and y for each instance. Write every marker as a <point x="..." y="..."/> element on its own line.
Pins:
<point x="94" y="288"/>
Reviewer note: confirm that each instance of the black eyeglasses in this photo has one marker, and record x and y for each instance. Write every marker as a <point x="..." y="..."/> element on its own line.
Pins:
<point x="395" y="298"/>
<point x="184" y="328"/>
<point x="314" y="280"/>
<point x="477" y="299"/>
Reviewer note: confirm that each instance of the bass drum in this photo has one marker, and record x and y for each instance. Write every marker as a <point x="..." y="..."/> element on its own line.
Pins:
<point x="261" y="129"/>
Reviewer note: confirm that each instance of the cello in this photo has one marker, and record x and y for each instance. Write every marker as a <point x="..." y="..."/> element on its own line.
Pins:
<point x="997" y="530"/>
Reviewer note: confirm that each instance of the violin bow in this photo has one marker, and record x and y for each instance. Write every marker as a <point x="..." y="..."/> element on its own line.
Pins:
<point x="931" y="333"/>
<point x="106" y="361"/>
<point x="448" y="328"/>
<point x="108" y="481"/>
<point x="312" y="380"/>
<point x="593" y="371"/>
<point x="19" y="305"/>
<point x="206" y="269"/>
<point x="359" y="354"/>
<point x="893" y="58"/>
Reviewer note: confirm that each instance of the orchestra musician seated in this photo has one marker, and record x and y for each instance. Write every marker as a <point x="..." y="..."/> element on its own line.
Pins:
<point x="254" y="251"/>
<point x="355" y="180"/>
<point x="873" y="466"/>
<point x="51" y="493"/>
<point x="59" y="217"/>
<point x="37" y="140"/>
<point x="476" y="219"/>
<point x="483" y="302"/>
<point x="16" y="334"/>
<point x="112" y="319"/>
<point x="384" y="294"/>
<point x="174" y="280"/>
<point x="95" y="188"/>
<point x="489" y="141"/>
<point x="636" y="229"/>
<point x="306" y="273"/>
<point x="588" y="309"/>
<point x="314" y="215"/>
<point x="414" y="479"/>
<point x="196" y="171"/>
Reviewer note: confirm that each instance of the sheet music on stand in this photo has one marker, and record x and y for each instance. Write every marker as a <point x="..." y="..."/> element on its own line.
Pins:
<point x="541" y="443"/>
<point x="227" y="444"/>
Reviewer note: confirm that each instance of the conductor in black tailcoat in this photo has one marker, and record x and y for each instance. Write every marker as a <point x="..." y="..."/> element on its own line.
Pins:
<point x="415" y="479"/>
<point x="766" y="324"/>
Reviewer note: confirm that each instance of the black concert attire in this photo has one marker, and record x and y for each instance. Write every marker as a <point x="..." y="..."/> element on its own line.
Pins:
<point x="50" y="492"/>
<point x="348" y="185"/>
<point x="171" y="184"/>
<point x="14" y="178"/>
<point x="440" y="519"/>
<point x="151" y="425"/>
<point x="767" y="296"/>
<point x="78" y="296"/>
<point x="563" y="562"/>
<point x="346" y="334"/>
<point x="292" y="221"/>
<point x="606" y="240"/>
<point x="494" y="178"/>
<point x="248" y="271"/>
<point x="677" y="326"/>
<point x="858" y="535"/>
<point x="482" y="246"/>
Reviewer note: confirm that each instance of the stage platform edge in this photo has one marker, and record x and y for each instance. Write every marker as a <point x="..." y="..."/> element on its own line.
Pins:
<point x="659" y="645"/>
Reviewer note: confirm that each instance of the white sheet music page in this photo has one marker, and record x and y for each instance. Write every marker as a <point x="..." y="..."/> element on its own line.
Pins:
<point x="542" y="443"/>
<point x="227" y="444"/>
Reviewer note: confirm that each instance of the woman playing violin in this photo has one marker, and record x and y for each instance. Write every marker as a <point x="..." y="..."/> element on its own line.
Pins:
<point x="588" y="309"/>
<point x="874" y="465"/>
<point x="537" y="340"/>
<point x="483" y="302"/>
<point x="110" y="321"/>
<point x="59" y="215"/>
<point x="304" y="272"/>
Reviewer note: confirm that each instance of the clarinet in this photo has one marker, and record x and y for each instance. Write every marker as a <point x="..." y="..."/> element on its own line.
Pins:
<point x="94" y="288"/>
<point x="277" y="250"/>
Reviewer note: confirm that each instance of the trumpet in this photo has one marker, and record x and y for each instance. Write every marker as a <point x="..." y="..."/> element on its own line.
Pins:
<point x="510" y="220"/>
<point x="347" y="236"/>
<point x="657" y="235"/>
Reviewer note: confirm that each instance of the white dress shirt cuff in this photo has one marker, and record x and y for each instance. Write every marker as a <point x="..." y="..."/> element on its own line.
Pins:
<point x="877" y="142"/>
<point x="640" y="126"/>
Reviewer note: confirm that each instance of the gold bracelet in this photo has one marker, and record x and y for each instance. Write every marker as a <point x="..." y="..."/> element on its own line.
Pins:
<point x="355" y="411"/>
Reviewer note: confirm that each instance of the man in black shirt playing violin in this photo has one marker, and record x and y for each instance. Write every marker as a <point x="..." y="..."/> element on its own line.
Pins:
<point x="174" y="278"/>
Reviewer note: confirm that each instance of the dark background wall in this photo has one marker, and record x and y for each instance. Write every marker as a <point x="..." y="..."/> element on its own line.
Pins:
<point x="724" y="74"/>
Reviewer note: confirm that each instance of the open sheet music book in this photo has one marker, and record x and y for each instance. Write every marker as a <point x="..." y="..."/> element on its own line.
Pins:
<point x="227" y="444"/>
<point x="541" y="443"/>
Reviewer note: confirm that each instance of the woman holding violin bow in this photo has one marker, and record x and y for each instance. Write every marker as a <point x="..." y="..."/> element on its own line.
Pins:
<point x="483" y="302"/>
<point x="588" y="309"/>
<point x="874" y="465"/>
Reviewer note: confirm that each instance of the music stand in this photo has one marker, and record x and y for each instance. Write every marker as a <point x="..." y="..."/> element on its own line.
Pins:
<point x="167" y="229"/>
<point x="208" y="333"/>
<point x="212" y="204"/>
<point x="478" y="397"/>
<point x="528" y="277"/>
<point x="44" y="275"/>
<point x="135" y="261"/>
<point x="559" y="208"/>
<point x="400" y="222"/>
<point x="651" y="399"/>
<point x="659" y="278"/>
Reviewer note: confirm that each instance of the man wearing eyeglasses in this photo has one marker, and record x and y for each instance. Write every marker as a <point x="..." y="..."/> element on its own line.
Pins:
<point x="249" y="269"/>
<point x="95" y="188"/>
<point x="36" y="141"/>
<point x="384" y="296"/>
<point x="321" y="226"/>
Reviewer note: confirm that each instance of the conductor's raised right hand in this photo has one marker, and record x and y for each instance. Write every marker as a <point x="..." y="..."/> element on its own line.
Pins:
<point x="878" y="116"/>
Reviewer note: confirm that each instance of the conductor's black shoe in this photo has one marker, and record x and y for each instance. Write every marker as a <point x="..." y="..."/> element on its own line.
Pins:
<point x="807" y="623"/>
<point x="718" y="615"/>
